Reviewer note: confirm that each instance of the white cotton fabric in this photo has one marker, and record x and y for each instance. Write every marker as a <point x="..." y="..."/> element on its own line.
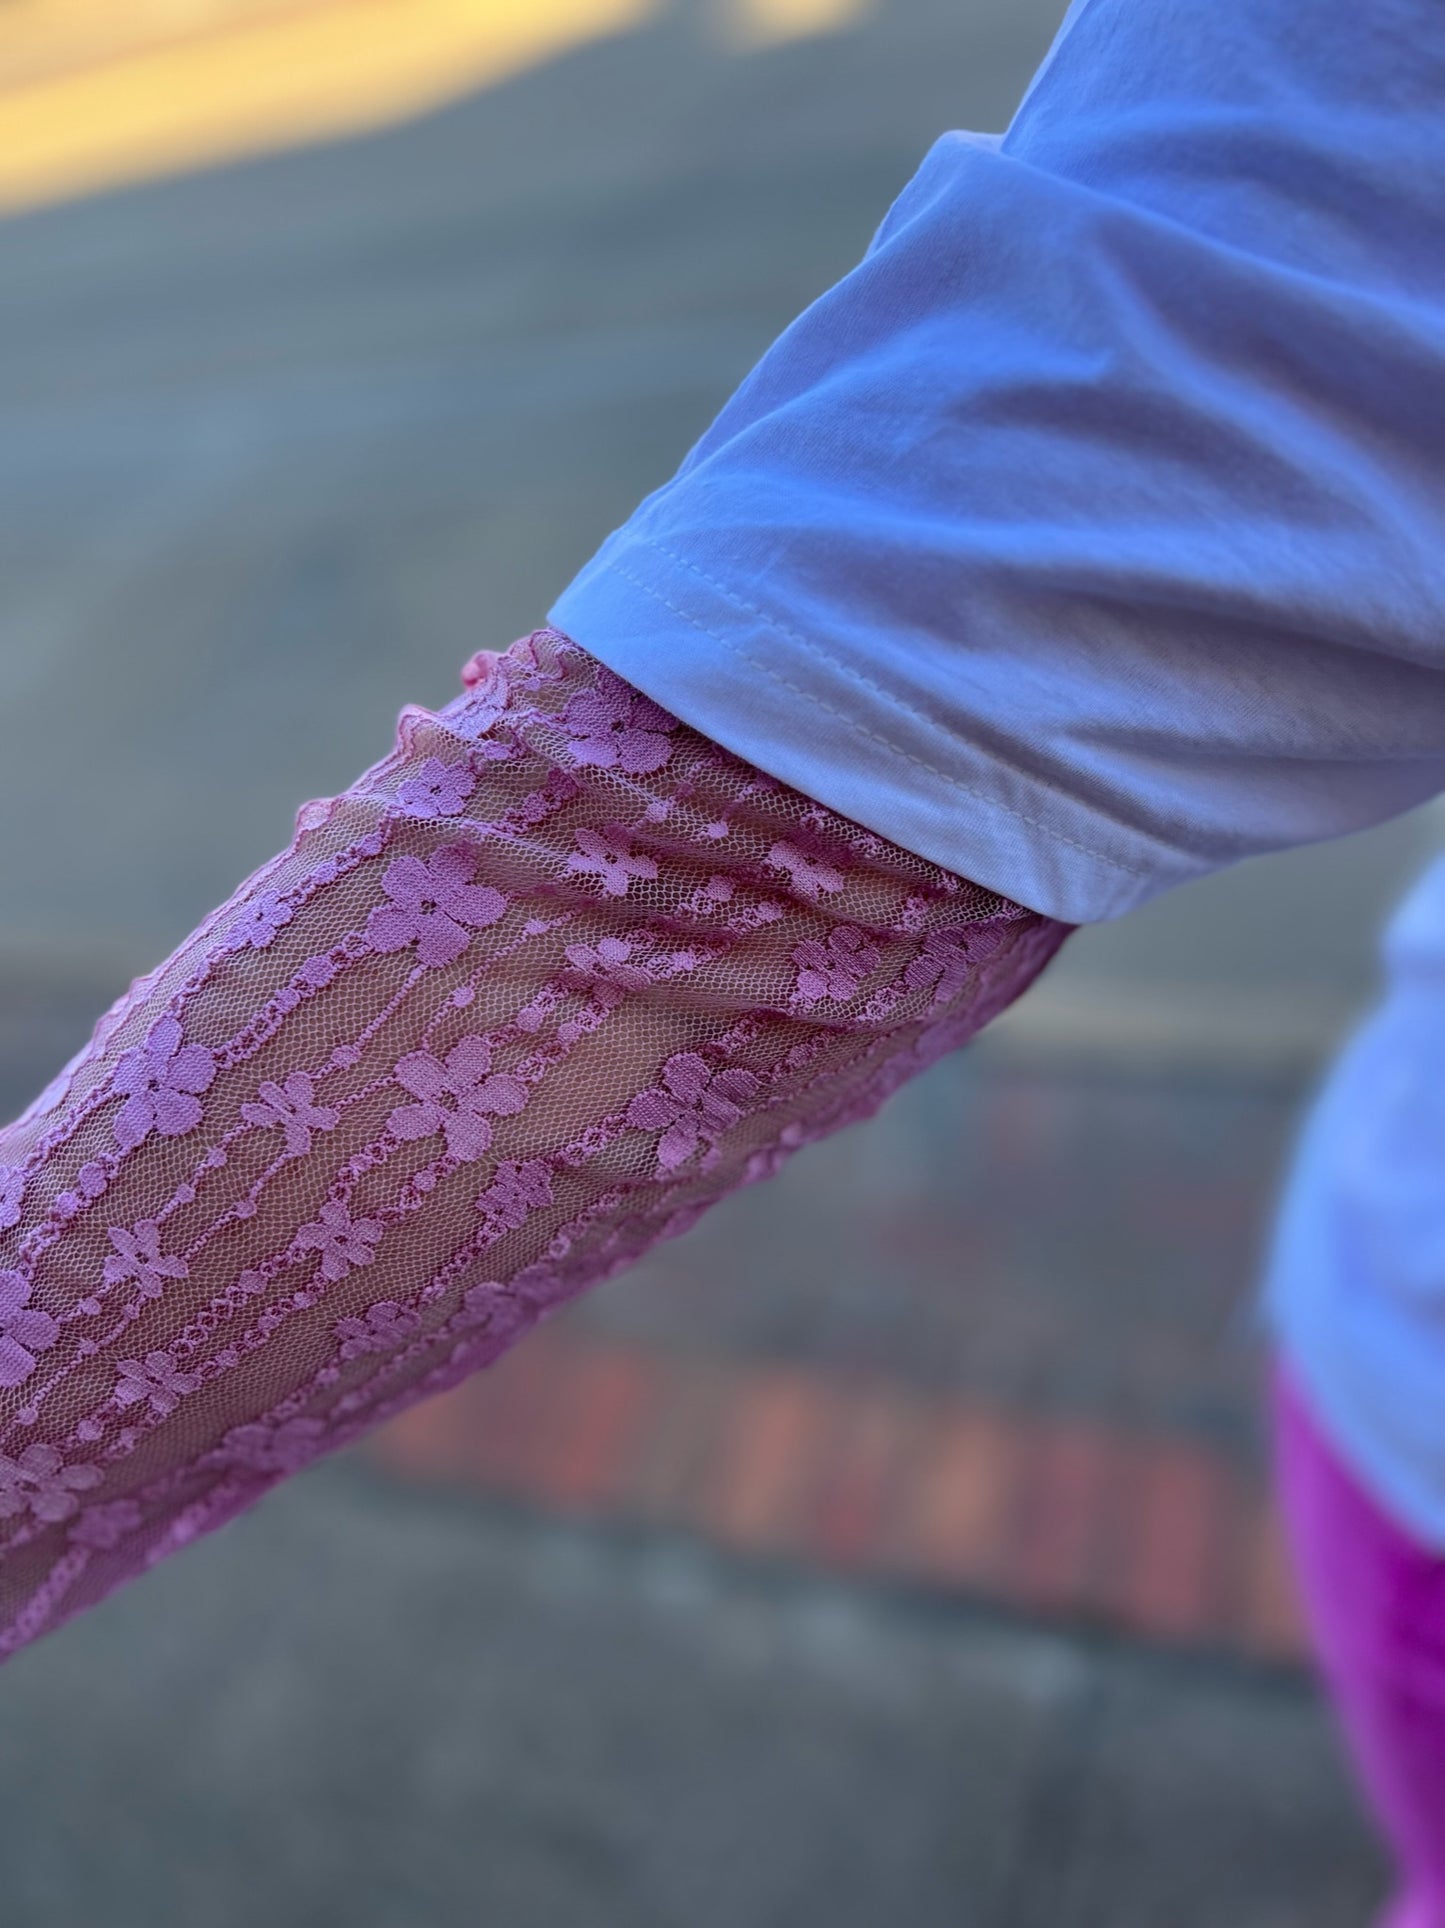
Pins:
<point x="1087" y="537"/>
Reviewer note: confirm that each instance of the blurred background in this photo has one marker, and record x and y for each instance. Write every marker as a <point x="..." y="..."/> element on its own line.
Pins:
<point x="895" y="1547"/>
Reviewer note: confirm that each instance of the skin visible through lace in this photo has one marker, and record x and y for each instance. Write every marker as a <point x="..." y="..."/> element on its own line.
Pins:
<point x="533" y="993"/>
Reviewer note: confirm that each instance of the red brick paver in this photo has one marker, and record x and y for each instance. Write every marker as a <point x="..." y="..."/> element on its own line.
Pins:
<point x="1270" y="1623"/>
<point x="771" y="1445"/>
<point x="607" y="1392"/>
<point x="1173" y="1570"/>
<point x="955" y="1519"/>
<point x="864" y="1477"/>
<point x="1073" y="1475"/>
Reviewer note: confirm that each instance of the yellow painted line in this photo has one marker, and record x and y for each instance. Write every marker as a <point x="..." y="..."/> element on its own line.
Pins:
<point x="306" y="73"/>
<point x="97" y="93"/>
<point x="762" y="23"/>
<point x="40" y="38"/>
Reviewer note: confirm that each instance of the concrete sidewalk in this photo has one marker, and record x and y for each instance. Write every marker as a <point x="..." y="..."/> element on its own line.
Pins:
<point x="359" y="1708"/>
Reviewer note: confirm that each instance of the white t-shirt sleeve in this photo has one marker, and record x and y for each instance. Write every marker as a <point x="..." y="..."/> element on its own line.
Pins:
<point x="1090" y="535"/>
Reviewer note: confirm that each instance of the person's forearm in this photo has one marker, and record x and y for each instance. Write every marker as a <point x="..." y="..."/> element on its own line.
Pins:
<point x="528" y="997"/>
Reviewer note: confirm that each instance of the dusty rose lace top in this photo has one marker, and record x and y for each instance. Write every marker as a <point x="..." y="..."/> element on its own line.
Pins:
<point x="536" y="990"/>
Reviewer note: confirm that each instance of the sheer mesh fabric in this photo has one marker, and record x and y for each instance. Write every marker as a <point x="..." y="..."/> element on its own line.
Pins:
<point x="528" y="997"/>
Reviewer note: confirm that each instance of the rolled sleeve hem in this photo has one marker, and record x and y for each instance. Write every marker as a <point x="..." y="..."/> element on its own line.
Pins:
<point x="748" y="680"/>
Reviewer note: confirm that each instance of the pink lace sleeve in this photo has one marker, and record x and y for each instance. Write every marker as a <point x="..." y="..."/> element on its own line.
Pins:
<point x="528" y="997"/>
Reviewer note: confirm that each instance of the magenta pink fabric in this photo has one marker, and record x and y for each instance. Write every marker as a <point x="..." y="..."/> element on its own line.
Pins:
<point x="532" y="994"/>
<point x="1376" y="1607"/>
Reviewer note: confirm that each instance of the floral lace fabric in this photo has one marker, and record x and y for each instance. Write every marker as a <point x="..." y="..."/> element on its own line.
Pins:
<point x="528" y="997"/>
